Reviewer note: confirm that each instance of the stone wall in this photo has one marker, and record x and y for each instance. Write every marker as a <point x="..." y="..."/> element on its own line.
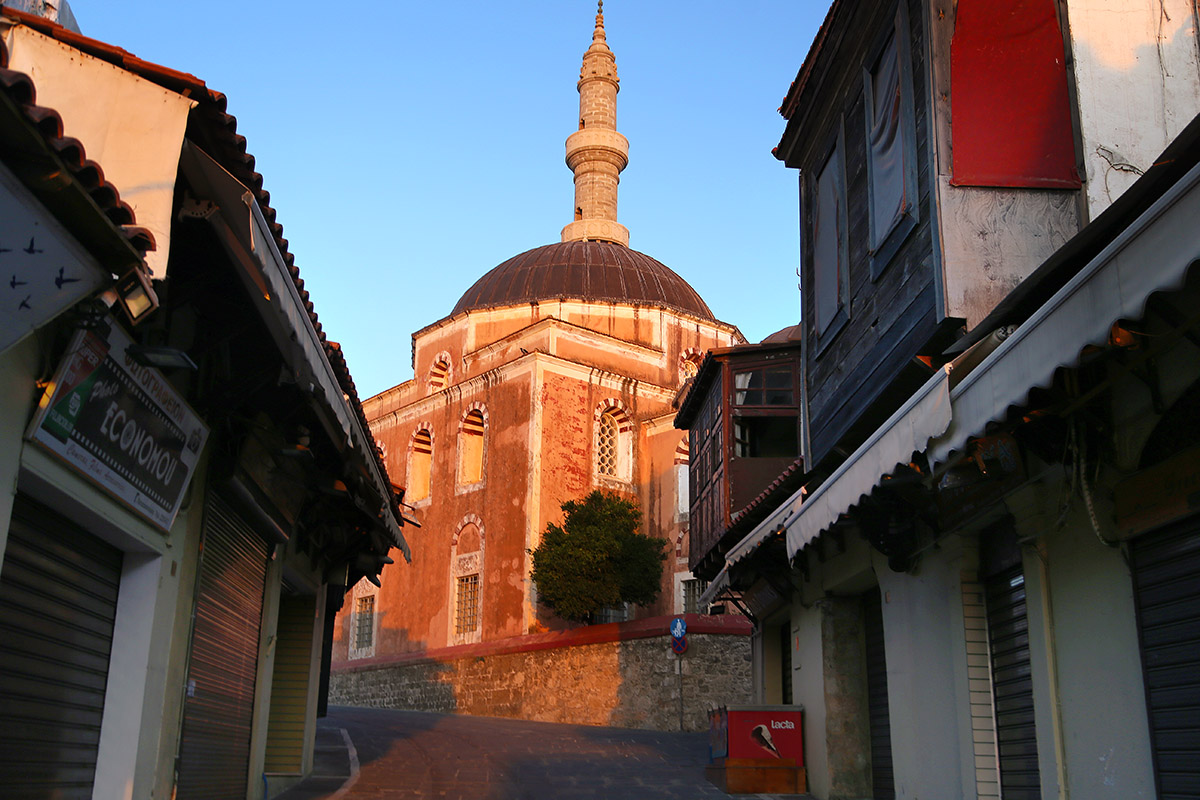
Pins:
<point x="626" y="682"/>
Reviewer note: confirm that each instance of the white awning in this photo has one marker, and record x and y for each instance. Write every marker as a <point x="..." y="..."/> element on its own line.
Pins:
<point x="1152" y="254"/>
<point x="718" y="585"/>
<point x="908" y="431"/>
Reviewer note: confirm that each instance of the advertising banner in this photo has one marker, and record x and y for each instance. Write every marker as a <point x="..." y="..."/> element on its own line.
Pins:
<point x="121" y="425"/>
<point x="765" y="733"/>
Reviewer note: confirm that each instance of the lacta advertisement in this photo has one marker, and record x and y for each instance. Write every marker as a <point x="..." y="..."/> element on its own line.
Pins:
<point x="121" y="425"/>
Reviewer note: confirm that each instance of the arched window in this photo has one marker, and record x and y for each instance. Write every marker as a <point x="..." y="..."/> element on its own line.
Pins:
<point x="689" y="364"/>
<point x="420" y="466"/>
<point x="364" y="620"/>
<point x="466" y="581"/>
<point x="614" y="442"/>
<point x="470" y="447"/>
<point x="606" y="445"/>
<point x="682" y="496"/>
<point x="439" y="373"/>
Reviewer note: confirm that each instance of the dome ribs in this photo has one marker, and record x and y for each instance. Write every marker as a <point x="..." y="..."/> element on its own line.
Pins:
<point x="583" y="270"/>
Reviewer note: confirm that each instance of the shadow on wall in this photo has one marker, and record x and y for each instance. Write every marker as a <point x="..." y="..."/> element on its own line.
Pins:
<point x="663" y="691"/>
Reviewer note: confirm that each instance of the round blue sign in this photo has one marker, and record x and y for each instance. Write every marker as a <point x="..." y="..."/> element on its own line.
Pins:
<point x="678" y="628"/>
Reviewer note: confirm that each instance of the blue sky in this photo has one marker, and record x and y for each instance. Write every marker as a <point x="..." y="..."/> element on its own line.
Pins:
<point x="411" y="147"/>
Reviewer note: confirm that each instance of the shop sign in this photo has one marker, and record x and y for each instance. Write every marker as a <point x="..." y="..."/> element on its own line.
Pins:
<point x="121" y="425"/>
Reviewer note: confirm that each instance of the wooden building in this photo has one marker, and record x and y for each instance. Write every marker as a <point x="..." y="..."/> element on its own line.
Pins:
<point x="995" y="266"/>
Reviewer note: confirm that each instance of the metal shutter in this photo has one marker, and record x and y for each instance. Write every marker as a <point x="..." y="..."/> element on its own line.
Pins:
<point x="214" y="752"/>
<point x="58" y="601"/>
<point x="883" y="781"/>
<point x="1166" y="574"/>
<point x="1016" y="733"/>
<point x="289" y="685"/>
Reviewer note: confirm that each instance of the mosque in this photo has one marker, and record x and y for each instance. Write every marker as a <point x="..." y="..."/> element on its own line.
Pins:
<point x="555" y="374"/>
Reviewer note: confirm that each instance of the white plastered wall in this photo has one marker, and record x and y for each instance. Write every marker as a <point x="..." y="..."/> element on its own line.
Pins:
<point x="131" y="127"/>
<point x="1137" y="76"/>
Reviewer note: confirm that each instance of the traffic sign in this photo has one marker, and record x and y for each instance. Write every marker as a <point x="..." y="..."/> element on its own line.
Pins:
<point x="678" y="628"/>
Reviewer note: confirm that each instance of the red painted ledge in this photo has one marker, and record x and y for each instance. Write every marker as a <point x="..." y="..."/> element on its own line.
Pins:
<point x="721" y="625"/>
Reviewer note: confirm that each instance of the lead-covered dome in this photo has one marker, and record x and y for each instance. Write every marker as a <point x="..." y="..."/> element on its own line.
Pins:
<point x="583" y="270"/>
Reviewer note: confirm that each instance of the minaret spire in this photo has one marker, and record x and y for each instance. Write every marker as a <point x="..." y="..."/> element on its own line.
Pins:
<point x="596" y="153"/>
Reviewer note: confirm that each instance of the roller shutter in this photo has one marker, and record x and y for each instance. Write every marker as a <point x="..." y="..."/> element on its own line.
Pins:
<point x="289" y="686"/>
<point x="58" y="602"/>
<point x="883" y="780"/>
<point x="214" y="749"/>
<point x="1012" y="684"/>
<point x="1166" y="574"/>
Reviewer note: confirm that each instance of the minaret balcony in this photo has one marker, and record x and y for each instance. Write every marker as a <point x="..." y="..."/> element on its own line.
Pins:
<point x="604" y="230"/>
<point x="597" y="143"/>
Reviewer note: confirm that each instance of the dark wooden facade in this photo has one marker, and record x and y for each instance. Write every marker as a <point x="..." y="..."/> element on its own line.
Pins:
<point x="743" y="415"/>
<point x="862" y="361"/>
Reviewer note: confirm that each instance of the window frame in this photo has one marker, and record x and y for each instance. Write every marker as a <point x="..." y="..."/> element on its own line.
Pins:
<point x="461" y="482"/>
<point x="883" y="245"/>
<point x="825" y="331"/>
<point x="362" y="590"/>
<point x="413" y="455"/>
<point x="623" y="438"/>
<point x="465" y="564"/>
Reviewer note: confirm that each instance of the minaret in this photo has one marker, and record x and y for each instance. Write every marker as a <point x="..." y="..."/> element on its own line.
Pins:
<point x="596" y="153"/>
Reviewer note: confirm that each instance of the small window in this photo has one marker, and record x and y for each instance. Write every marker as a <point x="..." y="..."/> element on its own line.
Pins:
<point x="364" y="622"/>
<point x="617" y="613"/>
<point x="765" y="386"/>
<point x="891" y="145"/>
<point x="765" y="437"/>
<point x="692" y="589"/>
<point x="420" y="465"/>
<point x="470" y="465"/>
<point x="830" y="267"/>
<point x="606" y="445"/>
<point x="466" y="612"/>
<point x="682" y="498"/>
<point x="439" y="375"/>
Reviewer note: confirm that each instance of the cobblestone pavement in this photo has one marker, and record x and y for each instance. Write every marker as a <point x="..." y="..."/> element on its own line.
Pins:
<point x="408" y="754"/>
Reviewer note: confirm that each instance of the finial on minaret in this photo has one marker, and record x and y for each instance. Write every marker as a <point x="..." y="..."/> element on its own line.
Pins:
<point x="597" y="153"/>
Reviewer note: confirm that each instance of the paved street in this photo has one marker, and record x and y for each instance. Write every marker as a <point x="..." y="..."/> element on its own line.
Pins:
<point x="408" y="754"/>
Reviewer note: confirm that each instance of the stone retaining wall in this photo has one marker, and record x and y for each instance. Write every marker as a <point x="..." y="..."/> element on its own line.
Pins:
<point x="626" y="682"/>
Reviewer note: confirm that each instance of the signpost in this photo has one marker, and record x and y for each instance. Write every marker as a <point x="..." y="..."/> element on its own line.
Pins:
<point x="679" y="647"/>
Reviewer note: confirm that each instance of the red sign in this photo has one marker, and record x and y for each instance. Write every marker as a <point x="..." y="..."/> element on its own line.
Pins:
<point x="679" y="645"/>
<point x="763" y="733"/>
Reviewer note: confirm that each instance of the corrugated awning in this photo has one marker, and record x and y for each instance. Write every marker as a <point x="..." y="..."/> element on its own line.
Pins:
<point x="1152" y="254"/>
<point x="908" y="431"/>
<point x="246" y="236"/>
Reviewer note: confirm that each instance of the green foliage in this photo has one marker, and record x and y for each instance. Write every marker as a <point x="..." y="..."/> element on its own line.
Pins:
<point x="597" y="559"/>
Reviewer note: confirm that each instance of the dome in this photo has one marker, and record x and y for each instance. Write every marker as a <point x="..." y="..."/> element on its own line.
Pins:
<point x="791" y="333"/>
<point x="583" y="270"/>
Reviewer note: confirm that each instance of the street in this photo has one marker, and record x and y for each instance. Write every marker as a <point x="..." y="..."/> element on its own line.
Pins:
<point x="408" y="754"/>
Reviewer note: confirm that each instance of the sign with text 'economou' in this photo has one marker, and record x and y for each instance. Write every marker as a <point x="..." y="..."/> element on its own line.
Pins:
<point x="121" y="425"/>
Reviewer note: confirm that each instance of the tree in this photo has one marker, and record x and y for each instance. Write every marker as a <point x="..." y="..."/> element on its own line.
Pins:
<point x="597" y="559"/>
